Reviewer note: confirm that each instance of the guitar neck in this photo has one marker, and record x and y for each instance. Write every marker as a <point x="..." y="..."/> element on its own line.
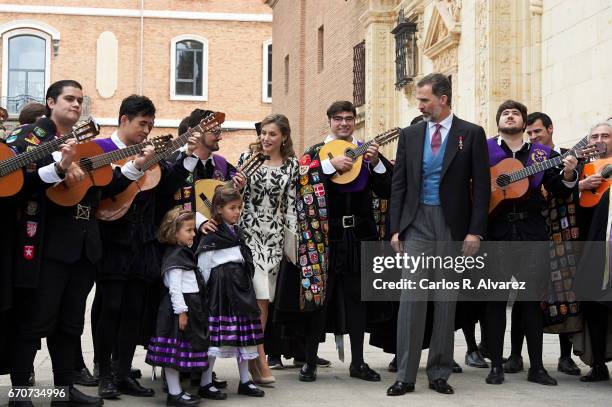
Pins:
<point x="380" y="139"/>
<point x="98" y="161"/>
<point x="24" y="159"/>
<point x="545" y="165"/>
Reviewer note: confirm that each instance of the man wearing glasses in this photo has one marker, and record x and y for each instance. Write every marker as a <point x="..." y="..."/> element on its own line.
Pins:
<point x="334" y="219"/>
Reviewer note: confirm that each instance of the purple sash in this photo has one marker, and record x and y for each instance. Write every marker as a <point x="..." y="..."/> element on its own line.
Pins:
<point x="220" y="172"/>
<point x="107" y="144"/>
<point x="361" y="181"/>
<point x="537" y="153"/>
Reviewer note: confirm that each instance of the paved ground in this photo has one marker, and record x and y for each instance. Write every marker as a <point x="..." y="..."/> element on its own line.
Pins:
<point x="334" y="387"/>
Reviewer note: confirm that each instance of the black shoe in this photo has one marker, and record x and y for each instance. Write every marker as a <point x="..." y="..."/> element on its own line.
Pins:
<point x="441" y="386"/>
<point x="484" y="352"/>
<point x="457" y="368"/>
<point x="475" y="359"/>
<point x="131" y="387"/>
<point x="179" y="401"/>
<point x="598" y="373"/>
<point x="496" y="376"/>
<point x="219" y="384"/>
<point x="84" y="377"/>
<point x="364" y="372"/>
<point x="393" y="366"/>
<point x="32" y="380"/>
<point x="246" y="389"/>
<point x="77" y="398"/>
<point x="400" y="388"/>
<point x="206" y="393"/>
<point x="568" y="366"/>
<point x="275" y="363"/>
<point x="135" y="373"/>
<point x="540" y="376"/>
<point x="514" y="364"/>
<point x="323" y="362"/>
<point x="308" y="373"/>
<point x="107" y="388"/>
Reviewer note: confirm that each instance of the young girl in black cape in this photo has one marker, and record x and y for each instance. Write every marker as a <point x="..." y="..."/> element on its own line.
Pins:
<point x="227" y="266"/>
<point x="180" y="340"/>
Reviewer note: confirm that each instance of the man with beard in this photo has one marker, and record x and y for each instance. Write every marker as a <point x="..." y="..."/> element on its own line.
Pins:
<point x="522" y="220"/>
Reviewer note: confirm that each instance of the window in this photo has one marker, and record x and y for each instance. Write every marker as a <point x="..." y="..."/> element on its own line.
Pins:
<point x="286" y="74"/>
<point x="27" y="50"/>
<point x="266" y="81"/>
<point x="359" y="74"/>
<point x="320" y="48"/>
<point x="189" y="67"/>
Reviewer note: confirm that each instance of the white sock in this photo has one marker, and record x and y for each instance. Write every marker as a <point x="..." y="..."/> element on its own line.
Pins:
<point x="173" y="380"/>
<point x="243" y="369"/>
<point x="207" y="374"/>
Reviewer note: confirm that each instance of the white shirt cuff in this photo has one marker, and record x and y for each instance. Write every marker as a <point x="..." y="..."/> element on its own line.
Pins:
<point x="328" y="167"/>
<point x="190" y="163"/>
<point x="200" y="219"/>
<point x="131" y="172"/>
<point x="570" y="184"/>
<point x="48" y="174"/>
<point x="380" y="168"/>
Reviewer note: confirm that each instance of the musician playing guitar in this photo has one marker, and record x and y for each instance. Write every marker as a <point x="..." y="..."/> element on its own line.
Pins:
<point x="521" y="220"/>
<point x="601" y="132"/>
<point x="131" y="258"/>
<point x="57" y="246"/>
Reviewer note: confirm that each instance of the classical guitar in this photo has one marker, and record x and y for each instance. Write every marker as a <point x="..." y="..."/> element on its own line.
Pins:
<point x="11" y="179"/>
<point x="205" y="188"/>
<point x="96" y="164"/>
<point x="115" y="207"/>
<point x="337" y="148"/>
<point x="509" y="178"/>
<point x="603" y="167"/>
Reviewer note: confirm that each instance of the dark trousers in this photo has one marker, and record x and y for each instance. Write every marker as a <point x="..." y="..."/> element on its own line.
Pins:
<point x="55" y="310"/>
<point x="596" y="316"/>
<point x="121" y="308"/>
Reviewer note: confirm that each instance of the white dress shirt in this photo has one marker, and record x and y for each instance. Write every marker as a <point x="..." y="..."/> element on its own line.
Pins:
<point x="180" y="282"/>
<point x="445" y="126"/>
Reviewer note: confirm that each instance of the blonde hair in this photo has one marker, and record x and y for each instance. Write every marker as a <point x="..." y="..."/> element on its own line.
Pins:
<point x="171" y="223"/>
<point x="223" y="195"/>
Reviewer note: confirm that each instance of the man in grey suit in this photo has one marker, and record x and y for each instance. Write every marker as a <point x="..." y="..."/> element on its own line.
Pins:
<point x="440" y="193"/>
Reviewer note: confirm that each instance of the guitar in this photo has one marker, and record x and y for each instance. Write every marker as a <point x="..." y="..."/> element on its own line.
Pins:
<point x="603" y="167"/>
<point x="115" y="207"/>
<point x="205" y="188"/>
<point x="98" y="169"/>
<point x="337" y="148"/>
<point x="11" y="179"/>
<point x="509" y="176"/>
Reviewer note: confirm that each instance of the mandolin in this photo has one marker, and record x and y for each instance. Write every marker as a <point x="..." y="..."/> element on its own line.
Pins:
<point x="115" y="207"/>
<point x="509" y="178"/>
<point x="337" y="148"/>
<point x="205" y="188"/>
<point x="603" y="167"/>
<point x="11" y="179"/>
<point x="96" y="164"/>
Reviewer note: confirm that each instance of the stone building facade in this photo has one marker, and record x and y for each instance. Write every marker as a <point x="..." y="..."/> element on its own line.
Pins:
<point x="183" y="54"/>
<point x="551" y="55"/>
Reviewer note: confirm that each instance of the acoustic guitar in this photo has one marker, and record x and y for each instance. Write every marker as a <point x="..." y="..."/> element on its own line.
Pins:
<point x="337" y="148"/>
<point x="11" y="178"/>
<point x="116" y="207"/>
<point x="509" y="178"/>
<point x="603" y="167"/>
<point x="97" y="169"/>
<point x="205" y="188"/>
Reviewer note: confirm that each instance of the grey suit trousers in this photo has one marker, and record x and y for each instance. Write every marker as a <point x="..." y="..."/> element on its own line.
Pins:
<point x="428" y="234"/>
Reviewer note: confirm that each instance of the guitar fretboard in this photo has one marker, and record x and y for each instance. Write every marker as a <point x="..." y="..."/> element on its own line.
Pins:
<point x="380" y="139"/>
<point x="98" y="161"/>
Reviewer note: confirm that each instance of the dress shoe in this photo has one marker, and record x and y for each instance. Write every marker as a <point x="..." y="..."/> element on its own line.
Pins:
<point x="219" y="384"/>
<point x="598" y="373"/>
<point x="320" y="362"/>
<point x="514" y="364"/>
<point x="568" y="366"/>
<point x="441" y="386"/>
<point x="364" y="372"/>
<point x="84" y="377"/>
<point x="308" y="373"/>
<point x="182" y="400"/>
<point x="249" y="389"/>
<point x="135" y="373"/>
<point x="496" y="376"/>
<point x="457" y="368"/>
<point x="131" y="387"/>
<point x="400" y="388"/>
<point x="107" y="388"/>
<point x="206" y="393"/>
<point x="393" y="365"/>
<point x="275" y="363"/>
<point x="77" y="398"/>
<point x="32" y="380"/>
<point x="475" y="359"/>
<point x="540" y="376"/>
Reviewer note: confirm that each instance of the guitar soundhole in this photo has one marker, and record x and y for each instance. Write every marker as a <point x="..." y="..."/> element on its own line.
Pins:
<point x="503" y="180"/>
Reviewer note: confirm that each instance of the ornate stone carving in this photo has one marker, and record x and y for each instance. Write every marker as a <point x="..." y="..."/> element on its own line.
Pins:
<point x="482" y="91"/>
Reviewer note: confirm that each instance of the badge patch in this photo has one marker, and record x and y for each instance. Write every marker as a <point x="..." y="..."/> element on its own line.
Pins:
<point x="28" y="252"/>
<point x="321" y="201"/>
<point x="306" y="283"/>
<point x="538" y="155"/>
<point x="32" y="208"/>
<point x="303" y="260"/>
<point x="32" y="139"/>
<point x="307" y="271"/>
<point x="11" y="139"/>
<point x="304" y="179"/>
<point x="31" y="228"/>
<point x="186" y="192"/>
<point x="309" y="199"/>
<point x="303" y="169"/>
<point x="187" y="206"/>
<point x="315" y="176"/>
<point x="315" y="224"/>
<point x="305" y="160"/>
<point x="39" y="132"/>
<point x="315" y="164"/>
<point x="319" y="189"/>
<point x="313" y="256"/>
